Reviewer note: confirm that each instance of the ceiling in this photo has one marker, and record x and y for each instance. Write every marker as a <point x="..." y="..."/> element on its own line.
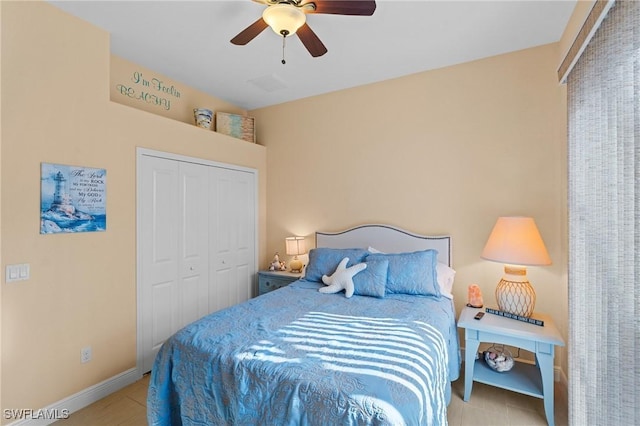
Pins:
<point x="188" y="41"/>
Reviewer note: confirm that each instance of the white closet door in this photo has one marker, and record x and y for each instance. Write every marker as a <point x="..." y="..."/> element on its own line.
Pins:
<point x="232" y="237"/>
<point x="175" y="249"/>
<point x="194" y="242"/>
<point x="160" y="236"/>
<point x="197" y="244"/>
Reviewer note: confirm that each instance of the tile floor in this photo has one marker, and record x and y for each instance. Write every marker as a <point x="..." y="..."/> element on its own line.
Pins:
<point x="127" y="407"/>
<point x="487" y="406"/>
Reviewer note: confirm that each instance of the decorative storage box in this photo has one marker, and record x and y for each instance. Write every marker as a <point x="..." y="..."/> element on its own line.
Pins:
<point x="238" y="126"/>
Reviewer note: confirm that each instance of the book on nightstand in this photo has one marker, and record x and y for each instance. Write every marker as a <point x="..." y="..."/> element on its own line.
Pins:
<point x="529" y="320"/>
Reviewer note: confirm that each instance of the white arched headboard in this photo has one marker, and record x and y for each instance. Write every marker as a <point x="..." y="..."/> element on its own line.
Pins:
<point x="387" y="239"/>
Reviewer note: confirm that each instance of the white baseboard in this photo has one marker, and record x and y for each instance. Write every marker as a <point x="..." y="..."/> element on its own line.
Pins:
<point x="79" y="400"/>
<point x="560" y="376"/>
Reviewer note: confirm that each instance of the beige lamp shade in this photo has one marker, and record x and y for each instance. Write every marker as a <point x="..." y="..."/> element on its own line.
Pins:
<point x="294" y="247"/>
<point x="516" y="242"/>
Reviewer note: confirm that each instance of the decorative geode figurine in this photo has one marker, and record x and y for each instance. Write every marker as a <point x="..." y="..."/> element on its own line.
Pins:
<point x="474" y="296"/>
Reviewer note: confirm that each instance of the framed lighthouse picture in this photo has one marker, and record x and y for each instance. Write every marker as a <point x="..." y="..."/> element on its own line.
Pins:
<point x="72" y="199"/>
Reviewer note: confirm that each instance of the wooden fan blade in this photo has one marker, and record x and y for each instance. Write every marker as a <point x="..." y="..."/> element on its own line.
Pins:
<point x="249" y="33"/>
<point x="345" y="7"/>
<point x="311" y="41"/>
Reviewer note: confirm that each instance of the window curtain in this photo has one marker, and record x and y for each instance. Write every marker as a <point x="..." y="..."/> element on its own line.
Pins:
<point x="604" y="224"/>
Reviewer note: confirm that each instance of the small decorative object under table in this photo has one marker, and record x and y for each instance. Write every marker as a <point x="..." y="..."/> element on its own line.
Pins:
<point x="533" y="380"/>
<point x="272" y="280"/>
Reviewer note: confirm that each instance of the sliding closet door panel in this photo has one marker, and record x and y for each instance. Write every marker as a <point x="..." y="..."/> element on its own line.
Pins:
<point x="160" y="312"/>
<point x="243" y="289"/>
<point x="220" y="237"/>
<point x="194" y="241"/>
<point x="245" y="256"/>
<point x="233" y="224"/>
<point x="161" y="326"/>
<point x="220" y="293"/>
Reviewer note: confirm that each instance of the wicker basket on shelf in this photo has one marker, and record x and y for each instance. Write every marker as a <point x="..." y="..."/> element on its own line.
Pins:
<point x="498" y="359"/>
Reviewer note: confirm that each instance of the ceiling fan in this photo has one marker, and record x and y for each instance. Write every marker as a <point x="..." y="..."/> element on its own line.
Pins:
<point x="288" y="17"/>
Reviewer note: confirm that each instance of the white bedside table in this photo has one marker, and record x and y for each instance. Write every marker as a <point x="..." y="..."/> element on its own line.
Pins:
<point x="534" y="380"/>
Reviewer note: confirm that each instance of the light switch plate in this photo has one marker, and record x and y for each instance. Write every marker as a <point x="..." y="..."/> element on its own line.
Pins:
<point x="20" y="272"/>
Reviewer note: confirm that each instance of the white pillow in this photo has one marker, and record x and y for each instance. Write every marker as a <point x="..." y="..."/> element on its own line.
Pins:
<point x="445" y="276"/>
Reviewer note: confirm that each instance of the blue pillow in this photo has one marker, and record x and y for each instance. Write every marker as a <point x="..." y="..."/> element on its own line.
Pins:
<point x="373" y="280"/>
<point x="324" y="261"/>
<point x="411" y="273"/>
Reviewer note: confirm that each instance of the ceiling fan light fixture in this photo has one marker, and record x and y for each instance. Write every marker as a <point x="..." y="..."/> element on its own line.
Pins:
<point x="284" y="19"/>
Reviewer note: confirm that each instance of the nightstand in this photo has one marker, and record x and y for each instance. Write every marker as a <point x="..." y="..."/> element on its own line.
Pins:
<point x="272" y="280"/>
<point x="533" y="380"/>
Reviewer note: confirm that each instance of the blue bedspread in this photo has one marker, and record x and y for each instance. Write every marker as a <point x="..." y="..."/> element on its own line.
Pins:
<point x="299" y="357"/>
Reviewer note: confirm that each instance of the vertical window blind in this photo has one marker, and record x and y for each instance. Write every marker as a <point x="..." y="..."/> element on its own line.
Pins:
<point x="604" y="223"/>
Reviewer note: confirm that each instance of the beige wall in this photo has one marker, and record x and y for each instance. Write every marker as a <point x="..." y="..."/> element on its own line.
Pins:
<point x="82" y="291"/>
<point x="444" y="151"/>
<point x="144" y="89"/>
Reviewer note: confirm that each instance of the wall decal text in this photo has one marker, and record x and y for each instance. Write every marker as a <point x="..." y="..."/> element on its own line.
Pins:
<point x="152" y="91"/>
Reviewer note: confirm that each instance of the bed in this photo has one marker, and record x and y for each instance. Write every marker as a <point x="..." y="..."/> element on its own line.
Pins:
<point x="296" y="356"/>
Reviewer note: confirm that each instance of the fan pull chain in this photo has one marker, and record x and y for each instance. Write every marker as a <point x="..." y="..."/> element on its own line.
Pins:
<point x="284" y="37"/>
<point x="284" y="33"/>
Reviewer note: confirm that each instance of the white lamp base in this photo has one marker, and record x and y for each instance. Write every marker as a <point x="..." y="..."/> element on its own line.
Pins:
<point x="514" y="293"/>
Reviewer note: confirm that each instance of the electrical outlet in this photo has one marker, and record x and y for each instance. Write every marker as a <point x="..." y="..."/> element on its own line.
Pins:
<point x="85" y="354"/>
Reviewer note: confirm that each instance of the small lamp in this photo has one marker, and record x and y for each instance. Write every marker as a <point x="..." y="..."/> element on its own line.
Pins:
<point x="516" y="242"/>
<point x="295" y="246"/>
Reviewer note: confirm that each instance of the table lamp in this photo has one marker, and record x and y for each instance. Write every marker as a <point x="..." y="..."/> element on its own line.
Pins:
<point x="295" y="246"/>
<point x="516" y="242"/>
